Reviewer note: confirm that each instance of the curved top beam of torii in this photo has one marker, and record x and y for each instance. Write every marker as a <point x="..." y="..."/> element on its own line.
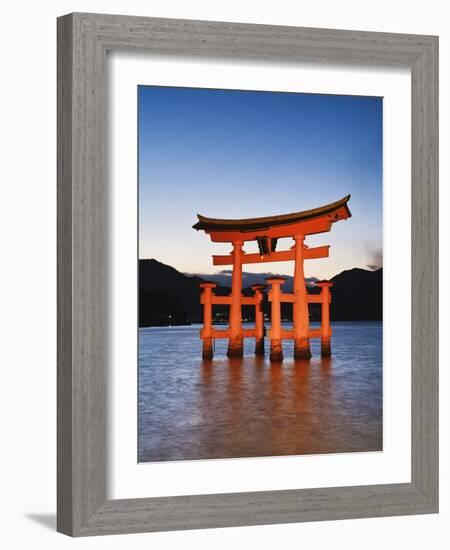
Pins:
<point x="307" y="222"/>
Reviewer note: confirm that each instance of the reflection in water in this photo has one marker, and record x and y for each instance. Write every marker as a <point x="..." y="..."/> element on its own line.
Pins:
<point x="223" y="408"/>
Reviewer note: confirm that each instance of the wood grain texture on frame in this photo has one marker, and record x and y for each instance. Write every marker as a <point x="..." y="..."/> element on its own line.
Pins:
<point x="83" y="40"/>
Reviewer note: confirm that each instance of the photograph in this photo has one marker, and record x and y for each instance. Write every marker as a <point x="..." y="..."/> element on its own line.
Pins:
<point x="223" y="225"/>
<point x="260" y="273"/>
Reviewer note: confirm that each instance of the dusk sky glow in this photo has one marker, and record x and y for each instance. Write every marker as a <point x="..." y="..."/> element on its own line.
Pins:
<point x="237" y="154"/>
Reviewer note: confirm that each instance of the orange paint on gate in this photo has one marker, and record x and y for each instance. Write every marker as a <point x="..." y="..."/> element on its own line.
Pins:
<point x="259" y="319"/>
<point x="275" y="333"/>
<point x="266" y="232"/>
<point x="326" y="328"/>
<point x="207" y="332"/>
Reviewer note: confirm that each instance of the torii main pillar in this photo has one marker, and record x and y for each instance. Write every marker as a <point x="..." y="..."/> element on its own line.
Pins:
<point x="236" y="339"/>
<point x="301" y="315"/>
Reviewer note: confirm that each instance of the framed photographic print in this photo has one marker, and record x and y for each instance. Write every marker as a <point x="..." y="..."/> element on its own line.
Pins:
<point x="247" y="274"/>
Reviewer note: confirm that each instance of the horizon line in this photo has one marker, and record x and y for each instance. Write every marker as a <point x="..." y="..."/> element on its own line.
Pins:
<point x="226" y="272"/>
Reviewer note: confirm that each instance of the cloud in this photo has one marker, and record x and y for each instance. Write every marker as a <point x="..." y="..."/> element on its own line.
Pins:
<point x="375" y="255"/>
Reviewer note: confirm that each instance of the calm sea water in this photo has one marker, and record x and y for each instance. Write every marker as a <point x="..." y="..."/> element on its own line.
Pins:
<point x="193" y="409"/>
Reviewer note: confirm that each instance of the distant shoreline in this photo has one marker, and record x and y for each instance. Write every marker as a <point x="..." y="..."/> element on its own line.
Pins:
<point x="168" y="297"/>
<point x="284" y="323"/>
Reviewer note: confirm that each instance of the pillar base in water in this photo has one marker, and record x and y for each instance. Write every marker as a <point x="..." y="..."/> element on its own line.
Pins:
<point x="207" y="352"/>
<point x="235" y="347"/>
<point x="302" y="349"/>
<point x="325" y="347"/>
<point x="276" y="350"/>
<point x="259" y="346"/>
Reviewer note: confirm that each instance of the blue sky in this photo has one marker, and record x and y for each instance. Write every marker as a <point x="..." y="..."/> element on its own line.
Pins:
<point x="238" y="154"/>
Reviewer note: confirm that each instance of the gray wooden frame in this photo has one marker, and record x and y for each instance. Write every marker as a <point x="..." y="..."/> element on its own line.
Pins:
<point x="83" y="40"/>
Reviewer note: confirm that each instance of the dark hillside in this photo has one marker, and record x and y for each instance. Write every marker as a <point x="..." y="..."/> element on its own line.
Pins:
<point x="169" y="297"/>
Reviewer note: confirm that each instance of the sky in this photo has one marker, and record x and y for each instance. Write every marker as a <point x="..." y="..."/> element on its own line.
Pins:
<point x="240" y="154"/>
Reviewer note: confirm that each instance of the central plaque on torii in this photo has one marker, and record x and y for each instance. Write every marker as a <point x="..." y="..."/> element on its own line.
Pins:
<point x="266" y="231"/>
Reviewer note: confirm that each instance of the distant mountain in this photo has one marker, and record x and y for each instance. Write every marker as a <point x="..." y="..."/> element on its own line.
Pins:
<point x="169" y="297"/>
<point x="223" y="278"/>
<point x="166" y="296"/>
<point x="357" y="295"/>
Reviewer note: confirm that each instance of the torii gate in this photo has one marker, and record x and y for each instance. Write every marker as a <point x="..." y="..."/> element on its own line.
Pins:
<point x="266" y="231"/>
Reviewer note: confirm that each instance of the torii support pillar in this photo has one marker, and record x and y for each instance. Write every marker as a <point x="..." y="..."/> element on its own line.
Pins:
<point x="206" y="333"/>
<point x="302" y="348"/>
<point x="259" y="319"/>
<point x="325" y="348"/>
<point x="236" y="340"/>
<point x="275" y="335"/>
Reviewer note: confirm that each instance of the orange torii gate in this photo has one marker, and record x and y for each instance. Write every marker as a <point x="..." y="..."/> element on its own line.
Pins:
<point x="266" y="232"/>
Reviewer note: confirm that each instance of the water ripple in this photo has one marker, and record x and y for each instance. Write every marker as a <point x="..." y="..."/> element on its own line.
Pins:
<point x="194" y="409"/>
